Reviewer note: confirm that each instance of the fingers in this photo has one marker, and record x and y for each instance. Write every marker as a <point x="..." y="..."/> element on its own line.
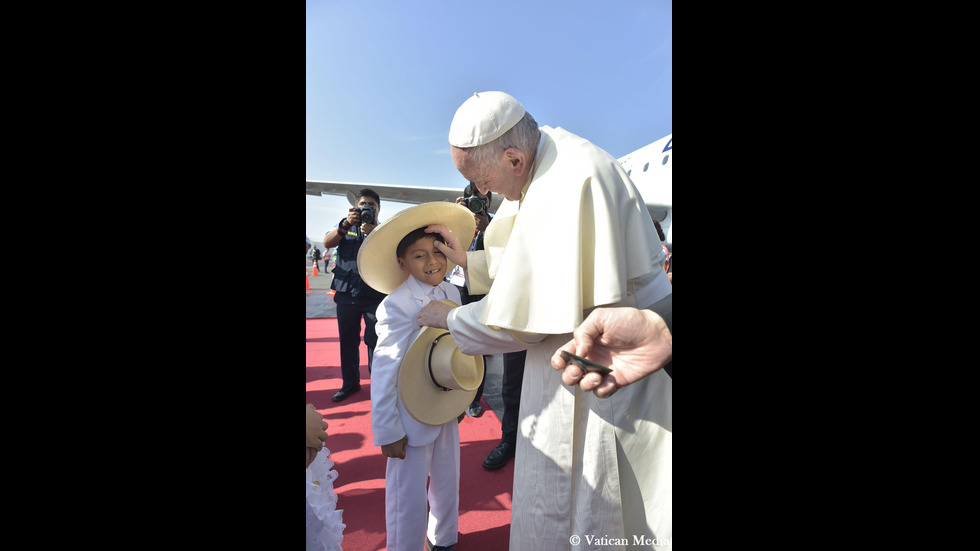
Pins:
<point x="443" y="248"/>
<point x="439" y="228"/>
<point x="434" y="314"/>
<point x="396" y="454"/>
<point x="557" y="361"/>
<point x="571" y="373"/>
<point x="395" y="450"/>
<point x="585" y="336"/>
<point x="574" y="375"/>
<point x="443" y="230"/>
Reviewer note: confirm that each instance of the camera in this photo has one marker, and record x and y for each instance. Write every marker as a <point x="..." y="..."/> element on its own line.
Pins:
<point x="367" y="214"/>
<point x="474" y="203"/>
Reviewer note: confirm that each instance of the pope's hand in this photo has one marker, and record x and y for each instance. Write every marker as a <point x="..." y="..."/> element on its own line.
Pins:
<point x="452" y="248"/>
<point x="434" y="314"/>
<point x="634" y="343"/>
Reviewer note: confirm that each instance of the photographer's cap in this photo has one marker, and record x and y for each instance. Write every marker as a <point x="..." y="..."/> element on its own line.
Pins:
<point x="483" y="118"/>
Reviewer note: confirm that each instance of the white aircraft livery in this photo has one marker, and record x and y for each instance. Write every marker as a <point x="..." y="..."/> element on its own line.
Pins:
<point x="648" y="167"/>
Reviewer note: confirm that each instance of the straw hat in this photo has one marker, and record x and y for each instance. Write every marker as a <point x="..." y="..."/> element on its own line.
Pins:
<point x="436" y="381"/>
<point x="377" y="262"/>
<point x="483" y="118"/>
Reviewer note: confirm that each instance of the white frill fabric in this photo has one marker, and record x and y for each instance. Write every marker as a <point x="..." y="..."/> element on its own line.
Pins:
<point x="324" y="523"/>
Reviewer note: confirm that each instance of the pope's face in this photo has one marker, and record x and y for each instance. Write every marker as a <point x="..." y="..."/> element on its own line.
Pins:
<point x="424" y="261"/>
<point x="497" y="176"/>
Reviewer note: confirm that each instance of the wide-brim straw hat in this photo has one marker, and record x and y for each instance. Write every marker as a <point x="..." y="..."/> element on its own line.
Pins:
<point x="377" y="262"/>
<point x="436" y="381"/>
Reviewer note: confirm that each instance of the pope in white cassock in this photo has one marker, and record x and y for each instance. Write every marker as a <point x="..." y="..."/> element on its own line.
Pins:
<point x="573" y="234"/>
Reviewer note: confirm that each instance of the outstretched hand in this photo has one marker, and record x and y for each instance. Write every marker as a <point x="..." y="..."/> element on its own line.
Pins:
<point x="633" y="343"/>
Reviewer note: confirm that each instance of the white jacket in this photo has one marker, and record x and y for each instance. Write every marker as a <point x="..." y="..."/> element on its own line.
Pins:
<point x="397" y="328"/>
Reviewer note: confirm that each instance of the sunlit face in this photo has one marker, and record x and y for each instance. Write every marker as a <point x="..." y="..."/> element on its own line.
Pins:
<point x="505" y="176"/>
<point x="480" y="176"/>
<point x="424" y="261"/>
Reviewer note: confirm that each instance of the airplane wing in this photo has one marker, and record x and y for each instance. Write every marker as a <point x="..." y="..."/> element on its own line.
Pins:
<point x="398" y="194"/>
<point x="650" y="168"/>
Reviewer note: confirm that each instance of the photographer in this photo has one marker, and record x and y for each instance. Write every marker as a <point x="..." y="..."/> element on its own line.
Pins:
<point x="510" y="391"/>
<point x="479" y="204"/>
<point x="354" y="298"/>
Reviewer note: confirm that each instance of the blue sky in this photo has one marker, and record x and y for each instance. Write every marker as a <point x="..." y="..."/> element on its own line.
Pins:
<point x="385" y="77"/>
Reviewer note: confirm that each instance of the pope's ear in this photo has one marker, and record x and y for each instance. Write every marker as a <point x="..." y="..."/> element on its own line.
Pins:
<point x="516" y="159"/>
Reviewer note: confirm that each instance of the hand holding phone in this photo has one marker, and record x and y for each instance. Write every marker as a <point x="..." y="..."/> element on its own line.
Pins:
<point x="585" y="364"/>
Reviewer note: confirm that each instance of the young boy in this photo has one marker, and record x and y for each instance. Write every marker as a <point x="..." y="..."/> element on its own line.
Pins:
<point x="413" y="275"/>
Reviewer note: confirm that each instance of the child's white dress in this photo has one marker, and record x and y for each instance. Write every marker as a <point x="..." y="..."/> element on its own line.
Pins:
<point x="324" y="523"/>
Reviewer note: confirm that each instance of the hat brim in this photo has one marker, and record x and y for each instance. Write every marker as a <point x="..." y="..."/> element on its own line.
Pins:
<point x="422" y="399"/>
<point x="377" y="261"/>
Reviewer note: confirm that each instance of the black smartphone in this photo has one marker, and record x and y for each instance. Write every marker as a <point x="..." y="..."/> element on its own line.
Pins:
<point x="587" y="365"/>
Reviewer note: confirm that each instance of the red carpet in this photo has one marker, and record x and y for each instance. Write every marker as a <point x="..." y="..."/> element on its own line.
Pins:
<point x="485" y="496"/>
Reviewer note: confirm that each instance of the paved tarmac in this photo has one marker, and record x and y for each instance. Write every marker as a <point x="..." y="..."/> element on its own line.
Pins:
<point x="319" y="304"/>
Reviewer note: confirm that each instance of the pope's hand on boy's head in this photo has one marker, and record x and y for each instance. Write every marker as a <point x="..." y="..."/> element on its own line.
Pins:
<point x="434" y="314"/>
<point x="452" y="249"/>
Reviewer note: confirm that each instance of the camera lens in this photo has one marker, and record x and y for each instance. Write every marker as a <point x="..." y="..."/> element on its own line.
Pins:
<point x="366" y="214"/>
<point x="474" y="203"/>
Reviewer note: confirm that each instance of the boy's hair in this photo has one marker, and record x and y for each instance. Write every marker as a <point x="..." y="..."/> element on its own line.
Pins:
<point x="414" y="236"/>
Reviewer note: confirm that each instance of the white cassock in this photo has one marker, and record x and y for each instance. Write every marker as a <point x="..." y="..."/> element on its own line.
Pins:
<point x="580" y="237"/>
<point x="430" y="449"/>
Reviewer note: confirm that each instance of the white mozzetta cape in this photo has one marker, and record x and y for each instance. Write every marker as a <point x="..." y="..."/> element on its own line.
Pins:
<point x="582" y="235"/>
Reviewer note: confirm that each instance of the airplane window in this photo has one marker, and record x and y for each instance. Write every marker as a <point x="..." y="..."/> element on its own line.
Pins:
<point x="628" y="172"/>
<point x="665" y="159"/>
<point x="645" y="167"/>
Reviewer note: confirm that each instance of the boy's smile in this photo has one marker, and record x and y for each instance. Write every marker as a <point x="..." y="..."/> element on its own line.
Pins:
<point x="424" y="261"/>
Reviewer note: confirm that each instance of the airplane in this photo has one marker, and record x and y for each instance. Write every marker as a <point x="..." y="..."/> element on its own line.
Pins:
<point x="649" y="167"/>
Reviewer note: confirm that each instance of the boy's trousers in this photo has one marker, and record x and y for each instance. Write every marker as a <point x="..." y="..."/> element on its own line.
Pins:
<point x="405" y="493"/>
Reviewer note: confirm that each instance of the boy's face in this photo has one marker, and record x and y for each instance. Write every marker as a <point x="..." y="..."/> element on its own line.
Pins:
<point x="424" y="261"/>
